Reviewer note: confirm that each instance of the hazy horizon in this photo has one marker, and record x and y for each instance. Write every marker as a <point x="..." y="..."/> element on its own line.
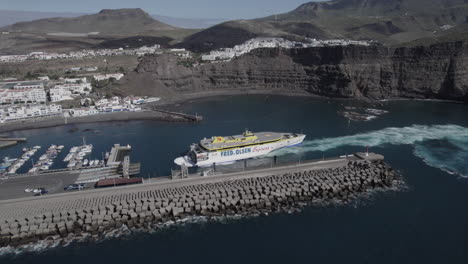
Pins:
<point x="206" y="9"/>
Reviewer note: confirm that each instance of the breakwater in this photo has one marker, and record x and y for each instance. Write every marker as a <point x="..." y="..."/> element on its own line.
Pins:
<point x="98" y="212"/>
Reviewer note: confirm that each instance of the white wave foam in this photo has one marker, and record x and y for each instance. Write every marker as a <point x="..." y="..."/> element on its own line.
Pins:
<point x="411" y="135"/>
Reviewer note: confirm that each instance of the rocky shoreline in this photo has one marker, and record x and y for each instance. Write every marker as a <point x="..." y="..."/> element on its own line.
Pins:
<point x="230" y="197"/>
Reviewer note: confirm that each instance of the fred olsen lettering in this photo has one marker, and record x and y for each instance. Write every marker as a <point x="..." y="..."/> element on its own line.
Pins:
<point x="235" y="152"/>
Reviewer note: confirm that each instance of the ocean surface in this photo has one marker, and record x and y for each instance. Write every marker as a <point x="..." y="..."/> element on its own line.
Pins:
<point x="427" y="142"/>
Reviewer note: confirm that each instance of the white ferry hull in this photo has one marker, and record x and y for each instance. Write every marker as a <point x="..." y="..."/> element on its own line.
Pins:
<point x="228" y="156"/>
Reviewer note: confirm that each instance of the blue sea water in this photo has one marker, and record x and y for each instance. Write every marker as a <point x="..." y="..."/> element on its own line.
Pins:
<point x="427" y="142"/>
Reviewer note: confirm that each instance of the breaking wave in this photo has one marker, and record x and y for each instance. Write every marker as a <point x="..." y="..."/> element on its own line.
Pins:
<point x="441" y="146"/>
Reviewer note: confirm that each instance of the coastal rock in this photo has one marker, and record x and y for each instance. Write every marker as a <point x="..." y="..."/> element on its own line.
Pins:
<point x="377" y="72"/>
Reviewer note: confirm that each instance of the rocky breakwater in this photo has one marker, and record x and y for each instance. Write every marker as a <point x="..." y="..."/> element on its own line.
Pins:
<point x="377" y="72"/>
<point x="242" y="196"/>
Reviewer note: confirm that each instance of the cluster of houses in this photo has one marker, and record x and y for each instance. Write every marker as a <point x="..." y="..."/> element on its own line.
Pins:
<point x="39" y="55"/>
<point x="227" y="54"/>
<point x="35" y="91"/>
<point x="115" y="104"/>
<point x="20" y="112"/>
<point x="70" y="88"/>
<point x="29" y="99"/>
<point x="105" y="105"/>
<point x="15" y="92"/>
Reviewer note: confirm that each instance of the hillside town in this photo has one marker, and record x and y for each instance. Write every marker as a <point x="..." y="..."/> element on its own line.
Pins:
<point x="40" y="55"/>
<point x="227" y="54"/>
<point x="22" y="100"/>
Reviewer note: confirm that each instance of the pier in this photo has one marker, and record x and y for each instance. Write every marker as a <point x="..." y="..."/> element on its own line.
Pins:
<point x="8" y="142"/>
<point x="193" y="118"/>
<point x="96" y="212"/>
<point x="13" y="139"/>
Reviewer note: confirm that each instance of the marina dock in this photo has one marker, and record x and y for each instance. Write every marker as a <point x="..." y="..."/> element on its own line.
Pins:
<point x="161" y="200"/>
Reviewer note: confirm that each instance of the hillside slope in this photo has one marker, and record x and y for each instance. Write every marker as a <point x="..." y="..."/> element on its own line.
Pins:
<point x="108" y="28"/>
<point x="387" y="21"/>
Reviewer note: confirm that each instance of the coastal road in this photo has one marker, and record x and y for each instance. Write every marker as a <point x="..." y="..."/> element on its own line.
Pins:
<point x="13" y="187"/>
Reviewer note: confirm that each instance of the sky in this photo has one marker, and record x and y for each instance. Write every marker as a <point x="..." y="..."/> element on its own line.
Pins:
<point x="218" y="9"/>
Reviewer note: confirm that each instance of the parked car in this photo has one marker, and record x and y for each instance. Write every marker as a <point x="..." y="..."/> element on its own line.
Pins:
<point x="41" y="192"/>
<point x="75" y="186"/>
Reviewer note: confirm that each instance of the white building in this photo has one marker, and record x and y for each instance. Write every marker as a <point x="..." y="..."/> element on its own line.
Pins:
<point x="83" y="111"/>
<point x="28" y="92"/>
<point x="75" y="80"/>
<point x="59" y="94"/>
<point x="227" y="54"/>
<point x="102" y="77"/>
<point x="75" y="88"/>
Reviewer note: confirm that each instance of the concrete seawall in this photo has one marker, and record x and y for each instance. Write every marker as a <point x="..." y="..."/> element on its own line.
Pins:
<point x="107" y="117"/>
<point x="97" y="212"/>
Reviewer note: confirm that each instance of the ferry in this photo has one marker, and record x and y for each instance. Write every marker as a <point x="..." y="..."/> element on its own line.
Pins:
<point x="217" y="150"/>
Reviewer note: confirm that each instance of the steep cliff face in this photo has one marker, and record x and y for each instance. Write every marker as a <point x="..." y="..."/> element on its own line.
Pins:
<point x="439" y="71"/>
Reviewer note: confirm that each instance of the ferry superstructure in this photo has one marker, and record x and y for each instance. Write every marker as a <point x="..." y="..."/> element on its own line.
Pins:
<point x="217" y="150"/>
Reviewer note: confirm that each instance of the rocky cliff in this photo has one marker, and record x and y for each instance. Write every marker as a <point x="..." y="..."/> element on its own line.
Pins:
<point x="377" y="72"/>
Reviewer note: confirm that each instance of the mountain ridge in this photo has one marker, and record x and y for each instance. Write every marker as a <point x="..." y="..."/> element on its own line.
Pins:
<point x="10" y="17"/>
<point x="107" y="21"/>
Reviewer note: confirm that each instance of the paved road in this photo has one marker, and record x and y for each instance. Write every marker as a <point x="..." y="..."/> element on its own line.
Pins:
<point x="14" y="186"/>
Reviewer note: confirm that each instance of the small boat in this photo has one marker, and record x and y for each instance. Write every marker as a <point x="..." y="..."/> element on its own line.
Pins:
<point x="36" y="147"/>
<point x="68" y="157"/>
<point x="8" y="160"/>
<point x="85" y="162"/>
<point x="73" y="149"/>
<point x="87" y="148"/>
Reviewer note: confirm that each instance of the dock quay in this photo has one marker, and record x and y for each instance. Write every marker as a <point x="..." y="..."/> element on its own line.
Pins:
<point x="96" y="212"/>
<point x="8" y="142"/>
<point x="13" y="139"/>
<point x="193" y="118"/>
